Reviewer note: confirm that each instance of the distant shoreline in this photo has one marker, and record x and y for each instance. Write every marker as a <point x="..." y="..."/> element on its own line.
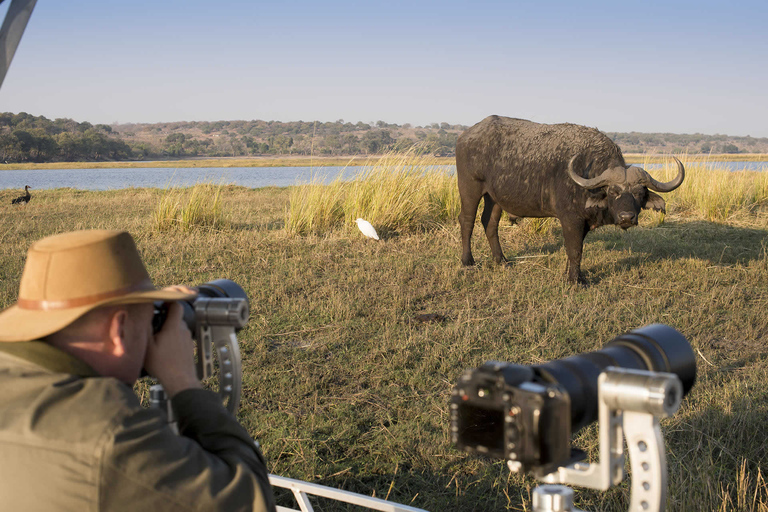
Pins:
<point x="349" y="161"/>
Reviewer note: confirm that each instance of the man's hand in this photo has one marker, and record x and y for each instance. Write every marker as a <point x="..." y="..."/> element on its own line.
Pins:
<point x="170" y="356"/>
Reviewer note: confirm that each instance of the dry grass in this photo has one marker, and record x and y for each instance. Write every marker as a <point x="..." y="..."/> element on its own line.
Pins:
<point x="399" y="192"/>
<point x="325" y="161"/>
<point x="712" y="192"/>
<point x="286" y="161"/>
<point x="343" y="388"/>
<point x="700" y="158"/>
<point x="191" y="208"/>
<point x="408" y="192"/>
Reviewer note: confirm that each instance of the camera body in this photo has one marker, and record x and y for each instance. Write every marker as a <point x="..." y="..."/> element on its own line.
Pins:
<point x="503" y="411"/>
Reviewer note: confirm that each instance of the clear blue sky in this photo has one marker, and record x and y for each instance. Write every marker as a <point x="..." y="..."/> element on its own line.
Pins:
<point x="651" y="66"/>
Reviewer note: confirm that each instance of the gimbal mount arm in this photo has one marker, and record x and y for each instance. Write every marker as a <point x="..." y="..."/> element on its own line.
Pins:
<point x="215" y="322"/>
<point x="631" y="403"/>
<point x="217" y="319"/>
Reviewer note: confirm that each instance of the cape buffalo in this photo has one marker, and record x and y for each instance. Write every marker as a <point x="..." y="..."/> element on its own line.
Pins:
<point x="571" y="172"/>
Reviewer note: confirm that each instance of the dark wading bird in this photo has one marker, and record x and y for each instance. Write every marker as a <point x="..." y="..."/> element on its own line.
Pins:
<point x="25" y="198"/>
<point x="571" y="172"/>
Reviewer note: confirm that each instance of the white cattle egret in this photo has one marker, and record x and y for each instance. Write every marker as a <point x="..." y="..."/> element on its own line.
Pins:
<point x="367" y="229"/>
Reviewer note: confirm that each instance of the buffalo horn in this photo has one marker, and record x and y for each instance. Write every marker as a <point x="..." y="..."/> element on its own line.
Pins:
<point x="670" y="185"/>
<point x="596" y="182"/>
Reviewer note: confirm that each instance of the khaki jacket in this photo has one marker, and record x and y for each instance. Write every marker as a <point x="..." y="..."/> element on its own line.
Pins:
<point x="71" y="440"/>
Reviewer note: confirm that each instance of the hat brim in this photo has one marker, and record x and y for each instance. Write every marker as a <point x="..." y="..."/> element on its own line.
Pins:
<point x="18" y="324"/>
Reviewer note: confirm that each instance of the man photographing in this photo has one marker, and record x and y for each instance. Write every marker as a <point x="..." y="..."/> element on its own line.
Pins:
<point x="73" y="435"/>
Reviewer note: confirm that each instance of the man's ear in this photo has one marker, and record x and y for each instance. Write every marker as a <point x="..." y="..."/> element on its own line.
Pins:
<point x="117" y="341"/>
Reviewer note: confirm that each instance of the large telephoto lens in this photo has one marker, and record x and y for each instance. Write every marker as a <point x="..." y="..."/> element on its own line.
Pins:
<point x="655" y="347"/>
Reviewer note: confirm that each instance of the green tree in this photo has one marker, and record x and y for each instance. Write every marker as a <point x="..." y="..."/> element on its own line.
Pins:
<point x="69" y="147"/>
<point x="350" y="144"/>
<point x="174" y="144"/>
<point x="26" y="141"/>
<point x="281" y="144"/>
<point x="10" y="148"/>
<point x="44" y="147"/>
<point x="333" y="144"/>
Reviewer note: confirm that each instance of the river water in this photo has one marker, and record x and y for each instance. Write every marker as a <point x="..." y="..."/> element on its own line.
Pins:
<point x="254" y="177"/>
<point x="106" y="179"/>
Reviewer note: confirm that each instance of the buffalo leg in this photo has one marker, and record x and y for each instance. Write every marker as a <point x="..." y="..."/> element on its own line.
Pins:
<point x="469" y="203"/>
<point x="574" y="232"/>
<point x="491" y="217"/>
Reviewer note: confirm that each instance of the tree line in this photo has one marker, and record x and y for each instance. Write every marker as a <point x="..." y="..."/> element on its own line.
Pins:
<point x="29" y="138"/>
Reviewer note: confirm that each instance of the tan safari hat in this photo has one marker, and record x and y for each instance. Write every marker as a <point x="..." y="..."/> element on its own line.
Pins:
<point x="67" y="275"/>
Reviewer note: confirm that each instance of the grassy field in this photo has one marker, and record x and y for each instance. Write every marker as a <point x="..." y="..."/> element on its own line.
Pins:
<point x="343" y="387"/>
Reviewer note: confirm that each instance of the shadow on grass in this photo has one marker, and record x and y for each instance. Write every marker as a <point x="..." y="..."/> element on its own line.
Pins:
<point x="727" y="470"/>
<point x="717" y="244"/>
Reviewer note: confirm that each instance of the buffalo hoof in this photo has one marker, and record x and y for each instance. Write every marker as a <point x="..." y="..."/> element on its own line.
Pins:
<point x="577" y="280"/>
<point x="581" y="282"/>
<point x="468" y="262"/>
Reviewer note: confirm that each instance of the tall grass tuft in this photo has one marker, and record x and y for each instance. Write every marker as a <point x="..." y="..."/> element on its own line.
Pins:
<point x="408" y="191"/>
<point x="401" y="191"/>
<point x="315" y="207"/>
<point x="713" y="192"/>
<point x="186" y="209"/>
<point x="535" y="226"/>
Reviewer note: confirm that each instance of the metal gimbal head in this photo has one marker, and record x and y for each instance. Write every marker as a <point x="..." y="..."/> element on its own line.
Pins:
<point x="216" y="320"/>
<point x="631" y="403"/>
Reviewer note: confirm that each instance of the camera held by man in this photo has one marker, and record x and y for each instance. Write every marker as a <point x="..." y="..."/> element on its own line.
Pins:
<point x="87" y="321"/>
<point x="214" y="316"/>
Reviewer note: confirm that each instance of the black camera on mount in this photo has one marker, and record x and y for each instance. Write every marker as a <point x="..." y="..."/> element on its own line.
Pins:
<point x="219" y="311"/>
<point x="528" y="414"/>
<point x="216" y="289"/>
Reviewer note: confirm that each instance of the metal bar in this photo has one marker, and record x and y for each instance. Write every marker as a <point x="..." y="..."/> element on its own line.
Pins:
<point x="301" y="489"/>
<point x="13" y="28"/>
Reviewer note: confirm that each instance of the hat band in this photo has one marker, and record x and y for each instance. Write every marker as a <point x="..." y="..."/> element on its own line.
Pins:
<point x="47" y="305"/>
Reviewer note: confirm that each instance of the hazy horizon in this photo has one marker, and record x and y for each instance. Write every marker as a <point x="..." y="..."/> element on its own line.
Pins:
<point x="652" y="67"/>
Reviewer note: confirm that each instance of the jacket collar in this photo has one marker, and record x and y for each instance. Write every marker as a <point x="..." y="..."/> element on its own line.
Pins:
<point x="48" y="357"/>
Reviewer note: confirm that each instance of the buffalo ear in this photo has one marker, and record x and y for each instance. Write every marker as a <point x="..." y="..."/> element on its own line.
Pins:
<point x="655" y="201"/>
<point x="597" y="200"/>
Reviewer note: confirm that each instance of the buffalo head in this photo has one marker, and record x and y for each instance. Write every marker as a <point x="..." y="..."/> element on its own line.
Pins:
<point x="622" y="191"/>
